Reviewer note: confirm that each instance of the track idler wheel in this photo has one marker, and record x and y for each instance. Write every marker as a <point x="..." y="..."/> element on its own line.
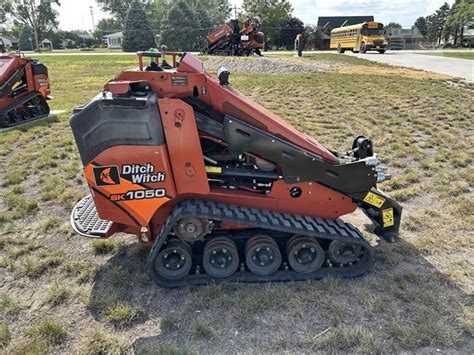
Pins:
<point x="262" y="255"/>
<point x="192" y="229"/>
<point x="342" y="253"/>
<point x="40" y="106"/>
<point x="174" y="261"/>
<point x="305" y="255"/>
<point x="220" y="257"/>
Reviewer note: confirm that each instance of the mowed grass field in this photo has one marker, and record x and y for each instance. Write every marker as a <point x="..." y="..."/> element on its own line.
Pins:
<point x="464" y="54"/>
<point x="60" y="293"/>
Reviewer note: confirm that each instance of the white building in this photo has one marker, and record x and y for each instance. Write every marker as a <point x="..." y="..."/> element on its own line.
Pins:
<point x="468" y="34"/>
<point x="67" y="43"/>
<point x="7" y="41"/>
<point x="114" y="40"/>
<point x="406" y="38"/>
<point x="46" y="44"/>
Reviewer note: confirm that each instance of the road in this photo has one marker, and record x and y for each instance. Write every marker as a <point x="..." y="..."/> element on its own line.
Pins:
<point x="456" y="67"/>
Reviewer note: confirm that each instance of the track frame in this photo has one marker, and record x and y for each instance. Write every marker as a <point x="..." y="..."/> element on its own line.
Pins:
<point x="281" y="226"/>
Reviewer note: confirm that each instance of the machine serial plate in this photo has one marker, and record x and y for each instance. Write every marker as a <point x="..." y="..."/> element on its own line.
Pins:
<point x="179" y="80"/>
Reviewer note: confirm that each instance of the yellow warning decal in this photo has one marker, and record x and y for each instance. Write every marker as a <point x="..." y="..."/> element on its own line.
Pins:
<point x="213" y="169"/>
<point x="374" y="200"/>
<point x="17" y="84"/>
<point x="388" y="217"/>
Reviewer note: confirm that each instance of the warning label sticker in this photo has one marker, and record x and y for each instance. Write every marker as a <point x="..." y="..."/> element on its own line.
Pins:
<point x="374" y="200"/>
<point x="213" y="169"/>
<point x="388" y="217"/>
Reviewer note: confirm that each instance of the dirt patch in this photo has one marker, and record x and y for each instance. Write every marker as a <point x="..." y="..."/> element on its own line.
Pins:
<point x="395" y="71"/>
<point x="264" y="65"/>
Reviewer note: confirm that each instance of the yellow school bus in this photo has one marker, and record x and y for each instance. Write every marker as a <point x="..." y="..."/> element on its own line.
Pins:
<point x="363" y="37"/>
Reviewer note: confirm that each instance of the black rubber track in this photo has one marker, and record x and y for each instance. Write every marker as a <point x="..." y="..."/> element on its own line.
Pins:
<point x="19" y="105"/>
<point x="271" y="223"/>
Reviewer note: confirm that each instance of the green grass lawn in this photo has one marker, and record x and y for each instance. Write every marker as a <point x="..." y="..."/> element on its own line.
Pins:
<point x="467" y="54"/>
<point x="60" y="293"/>
<point x="78" y="50"/>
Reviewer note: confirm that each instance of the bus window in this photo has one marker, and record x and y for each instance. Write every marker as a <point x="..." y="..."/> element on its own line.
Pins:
<point x="372" y="32"/>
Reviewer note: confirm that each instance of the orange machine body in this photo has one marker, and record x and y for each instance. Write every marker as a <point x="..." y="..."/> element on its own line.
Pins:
<point x="29" y="76"/>
<point x="136" y="183"/>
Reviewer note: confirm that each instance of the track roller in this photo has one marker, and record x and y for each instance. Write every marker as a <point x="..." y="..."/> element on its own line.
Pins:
<point x="343" y="253"/>
<point x="174" y="261"/>
<point x="305" y="255"/>
<point x="262" y="255"/>
<point x="220" y="257"/>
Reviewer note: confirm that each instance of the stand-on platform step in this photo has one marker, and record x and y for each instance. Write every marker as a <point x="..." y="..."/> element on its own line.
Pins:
<point x="86" y="221"/>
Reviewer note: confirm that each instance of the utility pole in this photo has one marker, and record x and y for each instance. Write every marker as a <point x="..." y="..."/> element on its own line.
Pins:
<point x="235" y="8"/>
<point x="92" y="15"/>
<point x="33" y="20"/>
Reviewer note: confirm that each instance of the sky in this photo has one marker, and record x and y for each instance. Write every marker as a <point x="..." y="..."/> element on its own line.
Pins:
<point x="76" y="14"/>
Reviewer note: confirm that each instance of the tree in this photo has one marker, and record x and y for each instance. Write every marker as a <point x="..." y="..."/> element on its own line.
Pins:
<point x="272" y="13"/>
<point x="392" y="26"/>
<point x="4" y="6"/>
<point x="210" y="13"/>
<point x="464" y="15"/>
<point x="36" y="14"/>
<point x="287" y="32"/>
<point x="26" y="39"/>
<point x="119" y="8"/>
<point x="313" y="36"/>
<point x="159" y="9"/>
<point x="422" y="26"/>
<point x="436" y="23"/>
<point x="216" y="11"/>
<point x="450" y="28"/>
<point x="460" y="15"/>
<point x="137" y="33"/>
<point x="180" y="27"/>
<point x="205" y="22"/>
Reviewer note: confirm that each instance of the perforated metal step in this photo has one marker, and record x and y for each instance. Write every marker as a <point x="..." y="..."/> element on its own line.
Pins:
<point x="86" y="221"/>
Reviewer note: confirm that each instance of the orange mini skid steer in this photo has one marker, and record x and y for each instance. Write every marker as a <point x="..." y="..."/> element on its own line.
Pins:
<point x="219" y="187"/>
<point x="24" y="89"/>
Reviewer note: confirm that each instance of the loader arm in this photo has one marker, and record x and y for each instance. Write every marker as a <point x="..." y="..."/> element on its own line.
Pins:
<point x="10" y="86"/>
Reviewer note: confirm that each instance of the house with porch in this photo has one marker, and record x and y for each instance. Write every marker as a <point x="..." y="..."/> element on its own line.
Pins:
<point x="9" y="41"/>
<point x="404" y="38"/>
<point x="114" y="40"/>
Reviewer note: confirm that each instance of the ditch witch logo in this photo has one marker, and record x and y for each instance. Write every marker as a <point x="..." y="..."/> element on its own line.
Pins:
<point x="106" y="175"/>
<point x="135" y="173"/>
<point x="141" y="173"/>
